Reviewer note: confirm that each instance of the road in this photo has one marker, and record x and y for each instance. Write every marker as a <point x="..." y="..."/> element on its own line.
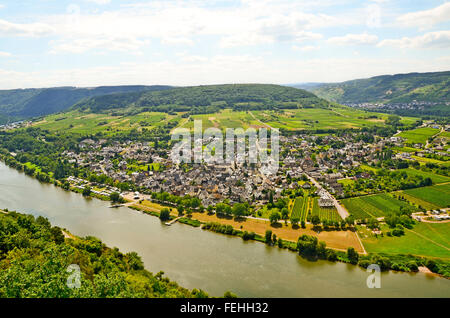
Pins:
<point x="341" y="210"/>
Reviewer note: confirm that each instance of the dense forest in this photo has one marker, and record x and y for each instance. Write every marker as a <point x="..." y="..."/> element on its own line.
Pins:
<point x="26" y="103"/>
<point x="399" y="88"/>
<point x="35" y="258"/>
<point x="207" y="99"/>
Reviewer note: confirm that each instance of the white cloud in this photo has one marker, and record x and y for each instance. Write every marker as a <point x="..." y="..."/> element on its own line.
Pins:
<point x="432" y="40"/>
<point x="198" y="70"/>
<point x="180" y="23"/>
<point x="9" y="29"/>
<point x="354" y="39"/>
<point x="427" y="18"/>
<point x="99" y="1"/>
<point x="307" y="48"/>
<point x="85" y="44"/>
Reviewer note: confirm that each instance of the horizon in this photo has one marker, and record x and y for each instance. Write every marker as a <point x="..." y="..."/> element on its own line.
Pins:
<point x="214" y="84"/>
<point x="93" y="43"/>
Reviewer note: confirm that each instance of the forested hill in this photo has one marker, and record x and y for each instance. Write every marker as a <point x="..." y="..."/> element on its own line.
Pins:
<point x="207" y="99"/>
<point x="400" y="88"/>
<point x="35" y="256"/>
<point x="26" y="103"/>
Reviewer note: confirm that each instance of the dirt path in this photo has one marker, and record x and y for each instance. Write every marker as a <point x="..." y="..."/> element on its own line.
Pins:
<point x="341" y="210"/>
<point x="259" y="121"/>
<point x="428" y="239"/>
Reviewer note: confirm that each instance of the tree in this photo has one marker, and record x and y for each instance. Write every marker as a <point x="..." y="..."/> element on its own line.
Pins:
<point x="268" y="237"/>
<point x="239" y="209"/>
<point x="322" y="250"/>
<point x="274" y="217"/>
<point x="180" y="209"/>
<point x="352" y="255"/>
<point x="315" y="220"/>
<point x="164" y="214"/>
<point x="294" y="221"/>
<point x="87" y="191"/>
<point x="229" y="294"/>
<point x="284" y="213"/>
<point x="114" y="197"/>
<point x="307" y="245"/>
<point x="303" y="224"/>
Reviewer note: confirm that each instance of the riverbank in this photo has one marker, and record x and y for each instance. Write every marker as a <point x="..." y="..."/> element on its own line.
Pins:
<point x="407" y="263"/>
<point x="202" y="259"/>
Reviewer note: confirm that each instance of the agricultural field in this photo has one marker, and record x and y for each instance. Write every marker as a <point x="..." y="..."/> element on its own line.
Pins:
<point x="376" y="206"/>
<point x="226" y="118"/>
<point x="438" y="195"/>
<point x="425" y="239"/>
<point x="79" y="122"/>
<point x="329" y="214"/>
<point x="320" y="118"/>
<point x="423" y="161"/>
<point x="419" y="135"/>
<point x="301" y="208"/>
<point x="425" y="174"/>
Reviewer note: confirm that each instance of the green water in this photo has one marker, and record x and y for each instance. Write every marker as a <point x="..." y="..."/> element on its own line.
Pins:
<point x="200" y="259"/>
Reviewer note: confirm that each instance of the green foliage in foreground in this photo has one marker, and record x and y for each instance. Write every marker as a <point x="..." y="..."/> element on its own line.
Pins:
<point x="34" y="258"/>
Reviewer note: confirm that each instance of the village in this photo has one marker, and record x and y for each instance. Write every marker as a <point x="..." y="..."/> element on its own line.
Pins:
<point x="326" y="160"/>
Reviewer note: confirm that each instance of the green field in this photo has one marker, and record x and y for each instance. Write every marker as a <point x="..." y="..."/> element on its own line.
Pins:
<point x="226" y="118"/>
<point x="425" y="239"/>
<point x="425" y="174"/>
<point x="301" y="208"/>
<point x="419" y="135"/>
<point x="438" y="195"/>
<point x="329" y="214"/>
<point x="376" y="206"/>
<point x="79" y="122"/>
<point x="319" y="118"/>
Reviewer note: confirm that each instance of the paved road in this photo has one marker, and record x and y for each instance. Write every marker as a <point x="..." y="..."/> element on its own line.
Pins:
<point x="341" y="210"/>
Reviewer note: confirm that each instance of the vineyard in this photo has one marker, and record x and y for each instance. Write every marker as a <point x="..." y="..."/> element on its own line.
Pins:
<point x="375" y="206"/>
<point x="329" y="214"/>
<point x="301" y="208"/>
<point x="438" y="195"/>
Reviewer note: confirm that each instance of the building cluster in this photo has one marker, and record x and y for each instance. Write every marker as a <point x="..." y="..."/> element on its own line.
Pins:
<point x="300" y="155"/>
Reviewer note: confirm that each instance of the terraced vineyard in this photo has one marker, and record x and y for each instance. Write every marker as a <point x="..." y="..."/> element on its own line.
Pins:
<point x="301" y="208"/>
<point x="376" y="206"/>
<point x="329" y="214"/>
<point x="438" y="195"/>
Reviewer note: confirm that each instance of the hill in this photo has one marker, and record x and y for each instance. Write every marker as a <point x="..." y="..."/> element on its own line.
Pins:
<point x="35" y="258"/>
<point x="27" y="103"/>
<point x="389" y="89"/>
<point x="207" y="99"/>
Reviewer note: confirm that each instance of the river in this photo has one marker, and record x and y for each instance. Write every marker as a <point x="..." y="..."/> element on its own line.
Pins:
<point x="200" y="259"/>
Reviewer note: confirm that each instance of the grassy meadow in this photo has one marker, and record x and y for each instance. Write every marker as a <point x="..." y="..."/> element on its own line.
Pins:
<point x="419" y="135"/>
<point x="425" y="239"/>
<point x="437" y="196"/>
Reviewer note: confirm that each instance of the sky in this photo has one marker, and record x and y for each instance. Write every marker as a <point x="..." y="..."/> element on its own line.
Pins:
<point x="48" y="43"/>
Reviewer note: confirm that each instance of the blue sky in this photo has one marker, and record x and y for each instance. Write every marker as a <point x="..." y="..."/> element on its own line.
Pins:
<point x="110" y="42"/>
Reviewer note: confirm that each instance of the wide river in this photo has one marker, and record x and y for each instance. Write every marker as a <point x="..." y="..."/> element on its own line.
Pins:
<point x="200" y="259"/>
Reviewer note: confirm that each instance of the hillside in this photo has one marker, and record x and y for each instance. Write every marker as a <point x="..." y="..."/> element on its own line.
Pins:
<point x="207" y="99"/>
<point x="27" y="103"/>
<point x="388" y="89"/>
<point x="34" y="258"/>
